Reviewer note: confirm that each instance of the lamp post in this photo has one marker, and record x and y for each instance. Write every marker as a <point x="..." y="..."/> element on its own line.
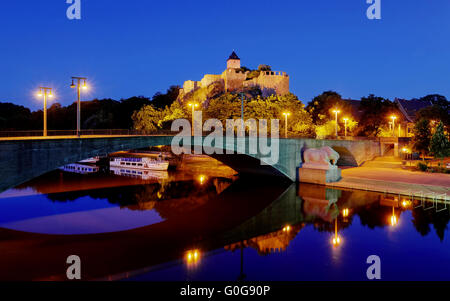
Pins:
<point x="336" y="112"/>
<point x="393" y="125"/>
<point x="345" y="125"/>
<point x="46" y="92"/>
<point x="193" y="105"/>
<point x="78" y="86"/>
<point x="286" y="114"/>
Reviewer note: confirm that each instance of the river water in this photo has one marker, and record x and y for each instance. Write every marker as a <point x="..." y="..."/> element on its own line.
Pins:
<point x="205" y="222"/>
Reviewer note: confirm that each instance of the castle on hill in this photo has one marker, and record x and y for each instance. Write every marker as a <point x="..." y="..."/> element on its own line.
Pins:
<point x="235" y="79"/>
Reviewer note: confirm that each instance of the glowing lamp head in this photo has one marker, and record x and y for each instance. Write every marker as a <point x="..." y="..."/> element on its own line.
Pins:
<point x="393" y="117"/>
<point x="39" y="94"/>
<point x="345" y="119"/>
<point x="287" y="228"/>
<point x="287" y="114"/>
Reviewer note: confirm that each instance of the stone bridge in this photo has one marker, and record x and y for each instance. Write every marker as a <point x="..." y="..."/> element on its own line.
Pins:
<point x="24" y="159"/>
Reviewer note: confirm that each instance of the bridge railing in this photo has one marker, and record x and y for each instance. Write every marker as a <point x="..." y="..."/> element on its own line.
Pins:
<point x="54" y="133"/>
<point x="130" y="132"/>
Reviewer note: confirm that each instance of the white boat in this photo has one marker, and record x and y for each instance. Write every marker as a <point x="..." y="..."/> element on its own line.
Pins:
<point x="80" y="168"/>
<point x="92" y="160"/>
<point x="139" y="163"/>
<point x="139" y="173"/>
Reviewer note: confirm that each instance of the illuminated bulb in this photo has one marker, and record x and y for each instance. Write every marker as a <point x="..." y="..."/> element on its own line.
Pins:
<point x="287" y="229"/>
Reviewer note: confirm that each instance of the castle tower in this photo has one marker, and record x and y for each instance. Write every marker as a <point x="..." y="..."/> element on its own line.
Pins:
<point x="233" y="62"/>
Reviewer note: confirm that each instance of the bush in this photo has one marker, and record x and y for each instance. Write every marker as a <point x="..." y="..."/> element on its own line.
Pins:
<point x="422" y="166"/>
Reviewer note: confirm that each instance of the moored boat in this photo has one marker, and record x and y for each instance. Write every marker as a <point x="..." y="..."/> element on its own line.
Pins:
<point x="139" y="163"/>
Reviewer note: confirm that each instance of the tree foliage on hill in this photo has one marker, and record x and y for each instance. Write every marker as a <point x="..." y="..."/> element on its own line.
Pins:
<point x="228" y="106"/>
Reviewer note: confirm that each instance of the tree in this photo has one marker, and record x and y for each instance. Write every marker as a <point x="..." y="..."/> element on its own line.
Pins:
<point x="161" y="101"/>
<point x="264" y="67"/>
<point x="322" y="106"/>
<point x="14" y="117"/>
<point x="326" y="130"/>
<point x="439" y="110"/>
<point x="376" y="111"/>
<point x="422" y="136"/>
<point x="440" y="145"/>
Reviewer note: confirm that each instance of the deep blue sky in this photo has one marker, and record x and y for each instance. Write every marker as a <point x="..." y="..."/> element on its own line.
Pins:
<point x="140" y="47"/>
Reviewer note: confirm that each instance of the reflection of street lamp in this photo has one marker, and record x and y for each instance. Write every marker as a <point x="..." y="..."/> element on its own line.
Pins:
<point x="287" y="228"/>
<point x="286" y="114"/>
<point x="193" y="105"/>
<point x="393" y="218"/>
<point x="79" y="87"/>
<point x="336" y="239"/>
<point x="192" y="257"/>
<point x="336" y="112"/>
<point x="393" y="125"/>
<point x="44" y="91"/>
<point x="345" y="122"/>
<point x="345" y="212"/>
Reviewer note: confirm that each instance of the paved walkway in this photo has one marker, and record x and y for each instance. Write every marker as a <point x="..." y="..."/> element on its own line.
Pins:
<point x="397" y="181"/>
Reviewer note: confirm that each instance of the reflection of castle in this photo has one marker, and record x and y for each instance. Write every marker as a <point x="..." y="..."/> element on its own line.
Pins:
<point x="277" y="241"/>
<point x="235" y="79"/>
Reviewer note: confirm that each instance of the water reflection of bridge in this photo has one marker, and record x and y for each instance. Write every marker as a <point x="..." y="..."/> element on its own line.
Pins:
<point x="240" y="217"/>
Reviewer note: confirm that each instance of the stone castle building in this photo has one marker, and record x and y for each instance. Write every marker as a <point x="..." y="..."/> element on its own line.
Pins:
<point x="234" y="79"/>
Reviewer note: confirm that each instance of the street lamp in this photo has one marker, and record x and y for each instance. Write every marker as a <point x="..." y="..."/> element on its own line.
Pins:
<point x="193" y="105"/>
<point x="336" y="112"/>
<point x="286" y="114"/>
<point x="46" y="92"/>
<point x="345" y="125"/>
<point x="393" y="125"/>
<point x="78" y="86"/>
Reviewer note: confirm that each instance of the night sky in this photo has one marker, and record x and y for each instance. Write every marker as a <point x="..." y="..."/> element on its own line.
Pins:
<point x="140" y="47"/>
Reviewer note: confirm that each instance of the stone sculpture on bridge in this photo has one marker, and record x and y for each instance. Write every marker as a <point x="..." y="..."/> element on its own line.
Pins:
<point x="323" y="158"/>
<point x="319" y="166"/>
